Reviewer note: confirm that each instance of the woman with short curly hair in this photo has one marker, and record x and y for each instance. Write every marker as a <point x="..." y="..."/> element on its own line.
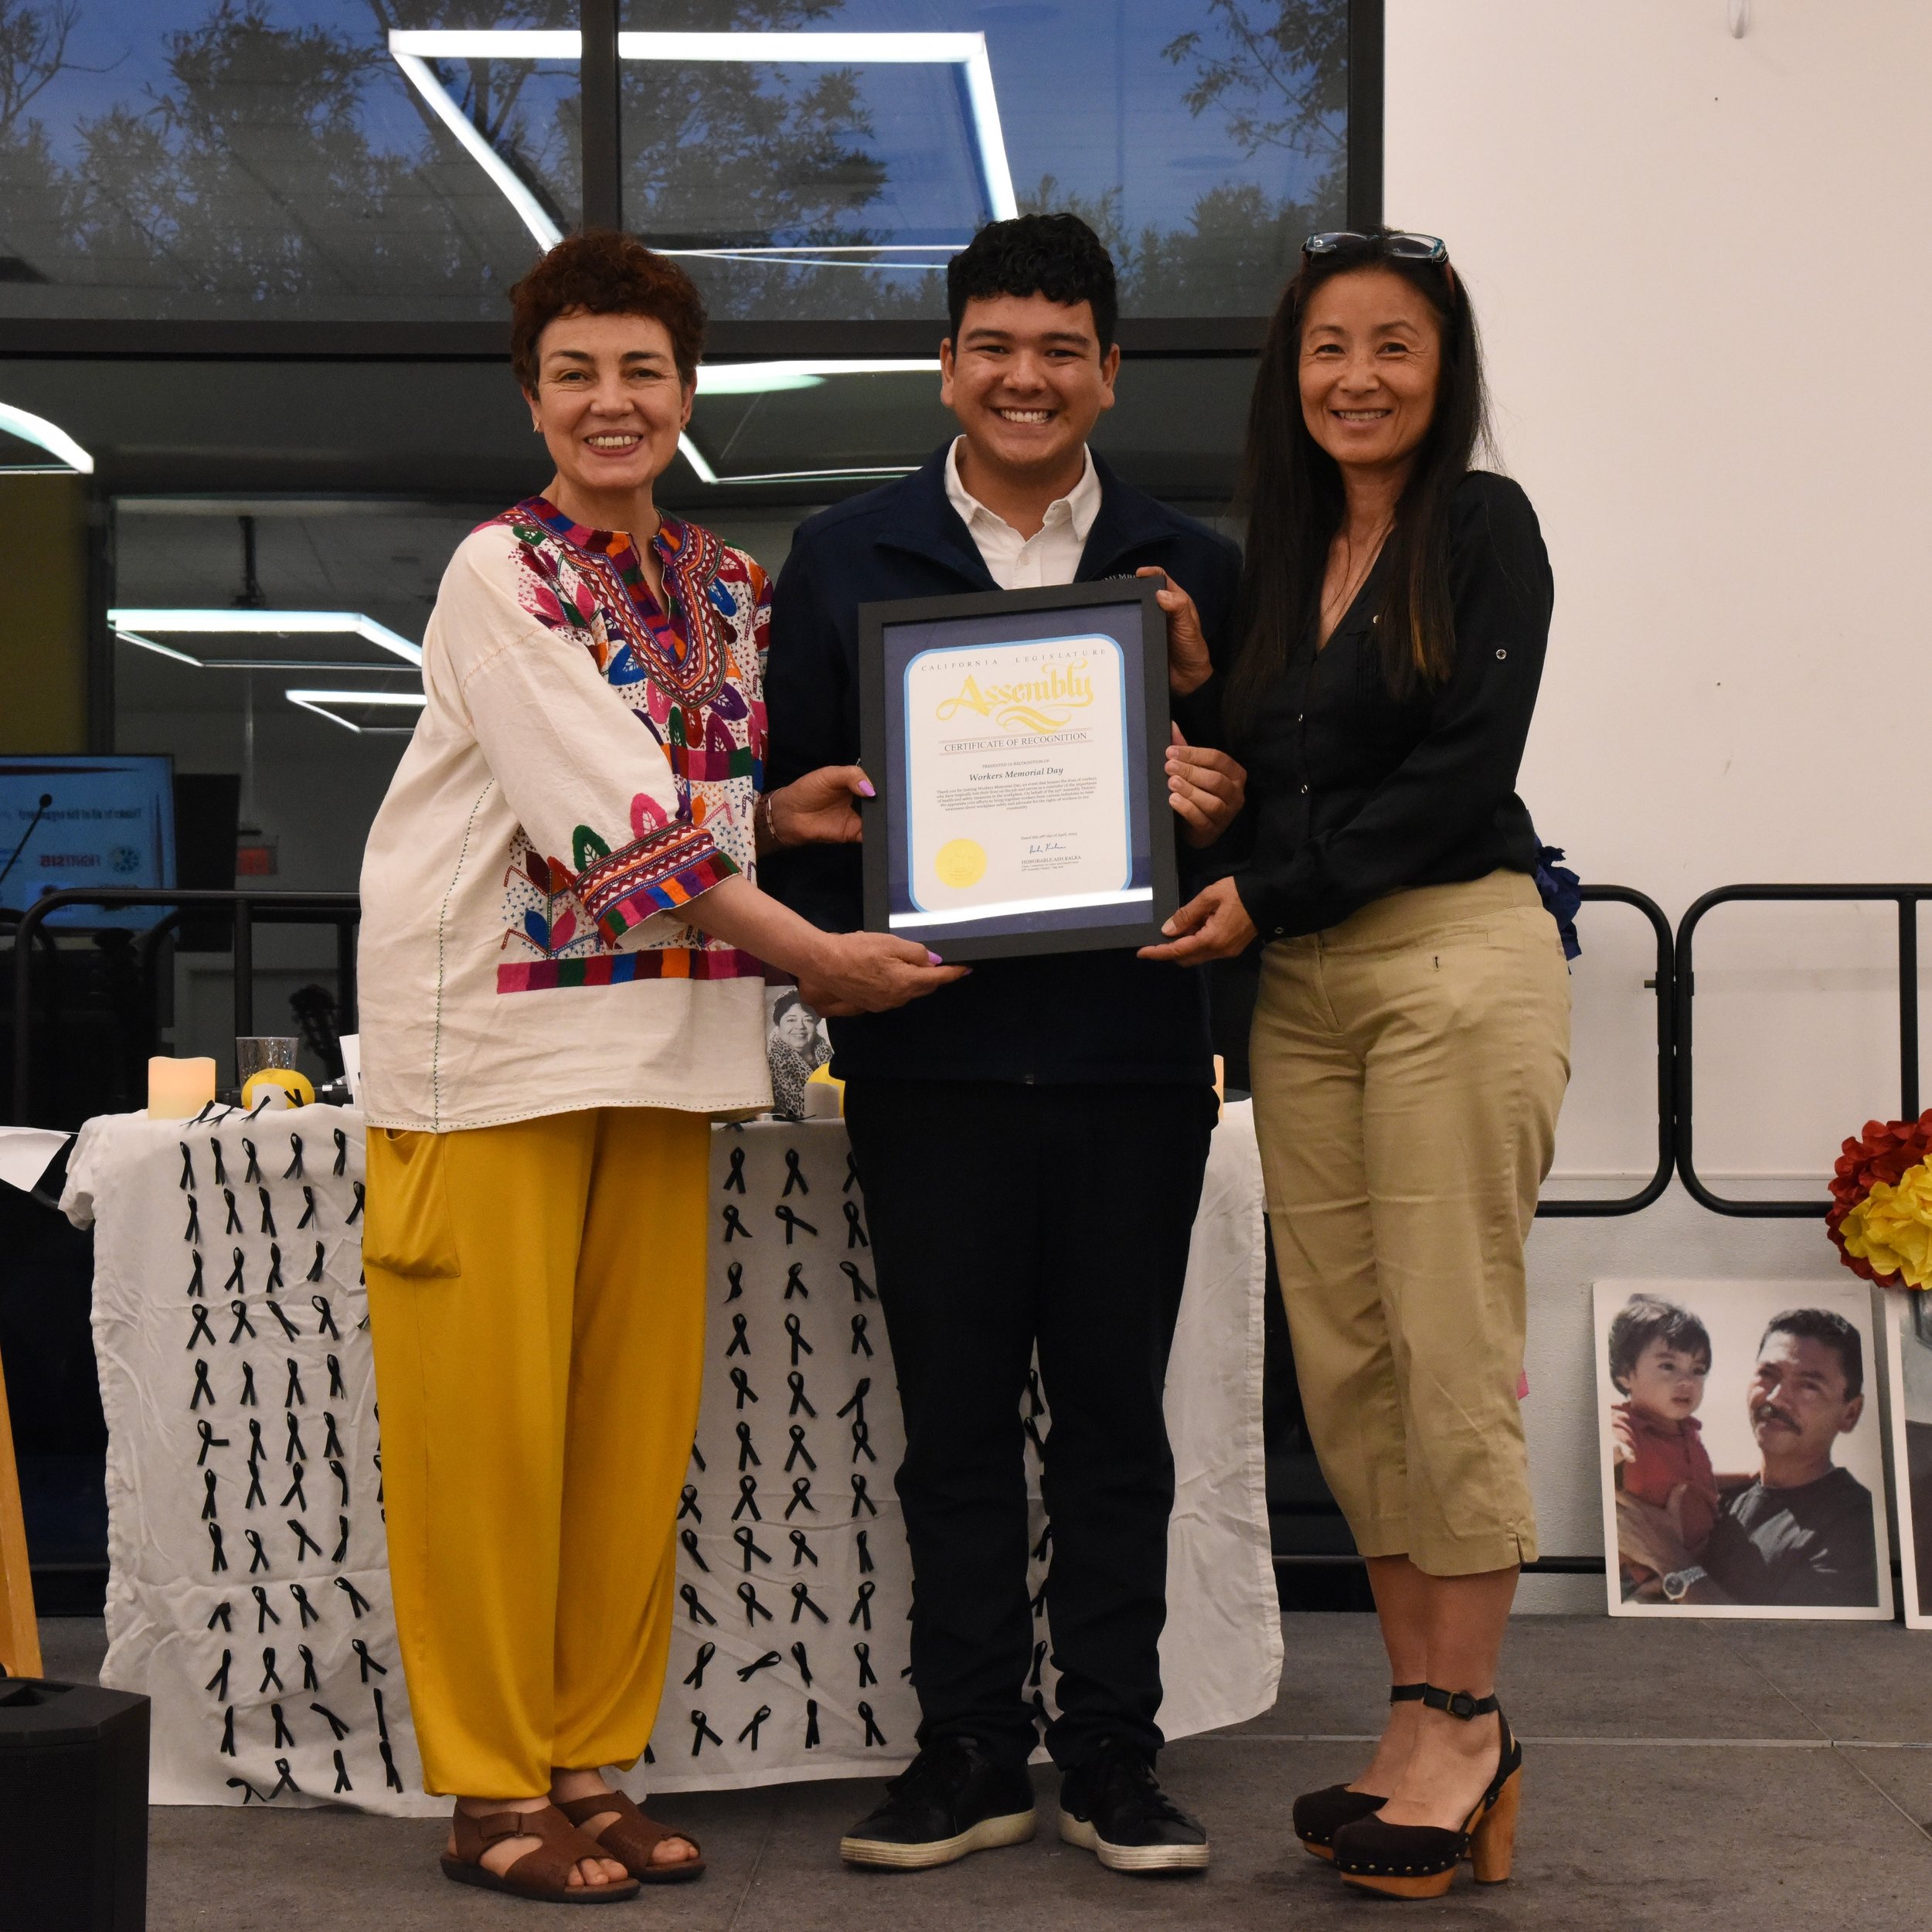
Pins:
<point x="561" y="951"/>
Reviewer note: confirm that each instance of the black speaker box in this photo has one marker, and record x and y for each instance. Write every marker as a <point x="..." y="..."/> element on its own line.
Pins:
<point x="73" y="1798"/>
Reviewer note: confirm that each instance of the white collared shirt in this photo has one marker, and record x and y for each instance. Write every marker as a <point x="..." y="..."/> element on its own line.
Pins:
<point x="1052" y="555"/>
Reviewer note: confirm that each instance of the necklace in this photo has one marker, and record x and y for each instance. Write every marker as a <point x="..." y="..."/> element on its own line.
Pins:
<point x="1353" y="579"/>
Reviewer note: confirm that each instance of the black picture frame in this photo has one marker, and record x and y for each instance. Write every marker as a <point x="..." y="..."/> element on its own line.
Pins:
<point x="883" y="756"/>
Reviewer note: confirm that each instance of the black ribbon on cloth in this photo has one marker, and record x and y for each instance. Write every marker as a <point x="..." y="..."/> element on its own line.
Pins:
<point x="233" y="1224"/>
<point x="697" y="1456"/>
<point x="260" y="1561"/>
<point x="734" y="1181"/>
<point x="265" y="1612"/>
<point x="227" y="1747"/>
<point x="1035" y="1405"/>
<point x="739" y="1343"/>
<point x="337" y="1727"/>
<point x="341" y="1774"/>
<point x="209" y="1512"/>
<point x="694" y="1609"/>
<point x="202" y="1386"/>
<point x="187" y="1168"/>
<point x="382" y="1722"/>
<point x="309" y="1679"/>
<point x="734" y="1227"/>
<point x="274" y="1281"/>
<point x="860" y="1340"/>
<point x="861" y="1441"/>
<point x="747" y="1499"/>
<point x="866" y="1674"/>
<point x="294" y="1398"/>
<point x="860" y="1500"/>
<point x="748" y="1596"/>
<point x="873" y="1734"/>
<point x="861" y="1289"/>
<point x="365" y="1660"/>
<point x="290" y="1331"/>
<point x="294" y="1170"/>
<point x="310" y="1614"/>
<point x="318" y="1264"/>
<point x="254" y="1172"/>
<point x="283" y="1734"/>
<point x="795" y="1282"/>
<point x="201" y="1328"/>
<point x="268" y="1213"/>
<point x="746" y="1539"/>
<point x="700" y="1730"/>
<point x="862" y="1606"/>
<point x="855" y="1233"/>
<point x="285" y="1782"/>
<point x="1039" y="1658"/>
<point x="341" y="1474"/>
<point x="326" y="1326"/>
<point x="695" y="1676"/>
<point x="1045" y="1544"/>
<point x="256" y="1493"/>
<point x="799" y="1399"/>
<point x="1040" y="1712"/>
<point x="355" y="1213"/>
<point x="308" y="1215"/>
<point x="793" y="1221"/>
<point x="292" y="1451"/>
<point x="689" y="1538"/>
<point x="193" y="1230"/>
<point x="851" y="1172"/>
<point x="261" y="1106"/>
<point x="798" y="1449"/>
<point x="735" y="1274"/>
<point x="794" y="1179"/>
<point x="801" y="1497"/>
<point x="250" y="1401"/>
<point x="748" y="1457"/>
<point x="332" y="1443"/>
<point x="219" y="1682"/>
<point x="338" y="1389"/>
<point x="742" y="1383"/>
<point x="1039" y="1599"/>
<point x="688" y="1505"/>
<point x="342" y="1541"/>
<point x="208" y="1441"/>
<point x="221" y="1173"/>
<point x="799" y="1344"/>
<point x="342" y="1154"/>
<point x="802" y="1601"/>
<point x="865" y="1563"/>
<point x="1034" y="1436"/>
<point x="765" y="1662"/>
<point x="305" y="1543"/>
<point x="804" y="1662"/>
<point x="195" y="1285"/>
<point x="239" y="1309"/>
<point x="220" y="1614"/>
<point x="358" y="1603"/>
<point x="802" y="1551"/>
<point x="751" y="1729"/>
<point x="270" y="1674"/>
<point x="811" y="1723"/>
<point x="247" y="1791"/>
<point x="391" y="1776"/>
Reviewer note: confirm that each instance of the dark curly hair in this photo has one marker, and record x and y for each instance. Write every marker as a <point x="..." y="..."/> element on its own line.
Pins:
<point x="1056" y="256"/>
<point x="601" y="272"/>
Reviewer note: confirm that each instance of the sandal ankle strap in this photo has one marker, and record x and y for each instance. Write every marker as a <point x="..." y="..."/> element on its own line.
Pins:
<point x="1406" y="1693"/>
<point x="1458" y="1703"/>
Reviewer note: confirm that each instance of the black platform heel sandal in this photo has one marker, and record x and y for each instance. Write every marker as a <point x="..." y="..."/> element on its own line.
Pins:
<point x="1419" y="1861"/>
<point x="1318" y="1815"/>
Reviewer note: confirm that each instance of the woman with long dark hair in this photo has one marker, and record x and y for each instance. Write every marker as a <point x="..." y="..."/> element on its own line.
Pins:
<point x="1410" y="1043"/>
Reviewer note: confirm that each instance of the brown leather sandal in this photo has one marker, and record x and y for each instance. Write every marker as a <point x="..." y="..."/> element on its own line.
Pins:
<point x="543" y="1873"/>
<point x="631" y="1837"/>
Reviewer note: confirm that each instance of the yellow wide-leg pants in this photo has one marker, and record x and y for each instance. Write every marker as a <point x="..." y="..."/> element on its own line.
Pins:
<point x="536" y="1297"/>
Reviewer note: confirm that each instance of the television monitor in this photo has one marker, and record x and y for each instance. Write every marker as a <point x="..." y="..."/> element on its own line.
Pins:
<point x="83" y="820"/>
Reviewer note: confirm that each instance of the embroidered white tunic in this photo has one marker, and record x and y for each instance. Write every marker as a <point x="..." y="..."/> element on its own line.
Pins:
<point x="585" y="765"/>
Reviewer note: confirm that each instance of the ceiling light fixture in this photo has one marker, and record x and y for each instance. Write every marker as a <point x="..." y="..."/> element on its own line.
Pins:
<point x="320" y="701"/>
<point x="413" y="48"/>
<point x="134" y="625"/>
<point x="44" y="435"/>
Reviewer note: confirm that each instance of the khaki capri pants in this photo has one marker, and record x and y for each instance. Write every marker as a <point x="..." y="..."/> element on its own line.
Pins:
<point x="1408" y="1067"/>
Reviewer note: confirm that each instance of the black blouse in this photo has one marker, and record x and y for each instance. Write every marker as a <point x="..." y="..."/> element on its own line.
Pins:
<point x="1355" y="794"/>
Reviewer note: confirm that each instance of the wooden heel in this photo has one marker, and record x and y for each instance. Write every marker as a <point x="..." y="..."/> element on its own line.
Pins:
<point x="1493" y="1845"/>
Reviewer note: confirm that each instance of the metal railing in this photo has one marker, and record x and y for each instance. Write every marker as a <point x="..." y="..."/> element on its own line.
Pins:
<point x="1907" y="899"/>
<point x="343" y="910"/>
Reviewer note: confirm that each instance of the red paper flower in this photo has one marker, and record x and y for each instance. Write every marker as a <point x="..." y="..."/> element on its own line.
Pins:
<point x="1882" y="1152"/>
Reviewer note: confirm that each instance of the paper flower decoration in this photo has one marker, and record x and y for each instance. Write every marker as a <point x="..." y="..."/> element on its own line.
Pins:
<point x="1881" y="1214"/>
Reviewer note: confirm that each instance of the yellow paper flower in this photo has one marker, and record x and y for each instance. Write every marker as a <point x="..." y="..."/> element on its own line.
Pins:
<point x="1892" y="1228"/>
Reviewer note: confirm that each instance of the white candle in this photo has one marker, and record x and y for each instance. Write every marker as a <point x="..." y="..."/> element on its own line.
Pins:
<point x="178" y="1089"/>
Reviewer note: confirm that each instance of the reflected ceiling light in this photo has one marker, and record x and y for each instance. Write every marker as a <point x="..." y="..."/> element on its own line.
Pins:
<point x="413" y="48"/>
<point x="701" y="468"/>
<point x="753" y="379"/>
<point x="320" y="702"/>
<point x="135" y="625"/>
<point x="44" y="435"/>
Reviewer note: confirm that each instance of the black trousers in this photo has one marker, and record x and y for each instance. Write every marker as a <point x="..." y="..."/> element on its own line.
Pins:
<point x="1004" y="1217"/>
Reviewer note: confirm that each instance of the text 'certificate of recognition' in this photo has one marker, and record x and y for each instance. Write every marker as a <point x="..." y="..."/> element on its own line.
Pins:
<point x="1016" y="758"/>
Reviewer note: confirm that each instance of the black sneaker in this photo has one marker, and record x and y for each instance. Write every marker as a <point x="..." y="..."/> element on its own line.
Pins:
<point x="1112" y="1805"/>
<point x="952" y="1799"/>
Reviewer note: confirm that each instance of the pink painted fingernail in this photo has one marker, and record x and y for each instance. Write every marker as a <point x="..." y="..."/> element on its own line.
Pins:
<point x="933" y="957"/>
<point x="865" y="790"/>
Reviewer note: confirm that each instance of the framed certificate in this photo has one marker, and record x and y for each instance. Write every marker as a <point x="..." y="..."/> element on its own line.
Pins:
<point x="1018" y="740"/>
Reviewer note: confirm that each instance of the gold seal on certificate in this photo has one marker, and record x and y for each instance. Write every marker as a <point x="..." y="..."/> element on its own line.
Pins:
<point x="1019" y="736"/>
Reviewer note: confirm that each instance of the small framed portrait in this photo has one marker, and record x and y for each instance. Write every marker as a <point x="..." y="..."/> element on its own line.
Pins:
<point x="1909" y="1392"/>
<point x="797" y="1045"/>
<point x="1741" y="1464"/>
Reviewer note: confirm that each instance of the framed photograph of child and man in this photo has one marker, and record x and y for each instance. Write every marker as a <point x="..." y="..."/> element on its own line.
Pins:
<point x="1742" y="1452"/>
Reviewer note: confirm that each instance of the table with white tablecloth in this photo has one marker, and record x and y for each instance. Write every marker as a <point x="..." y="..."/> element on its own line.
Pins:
<point x="248" y="1587"/>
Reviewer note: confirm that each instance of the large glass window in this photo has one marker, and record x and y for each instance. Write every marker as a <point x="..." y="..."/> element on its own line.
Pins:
<point x="271" y="159"/>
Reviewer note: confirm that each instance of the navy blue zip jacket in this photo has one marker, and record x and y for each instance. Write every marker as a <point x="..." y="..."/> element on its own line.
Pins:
<point x="1093" y="1016"/>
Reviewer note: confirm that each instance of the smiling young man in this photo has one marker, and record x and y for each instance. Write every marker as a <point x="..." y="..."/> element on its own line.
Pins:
<point x="1031" y="1144"/>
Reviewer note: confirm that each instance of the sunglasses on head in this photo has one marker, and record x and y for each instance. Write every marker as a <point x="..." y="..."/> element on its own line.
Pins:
<point x="1403" y="247"/>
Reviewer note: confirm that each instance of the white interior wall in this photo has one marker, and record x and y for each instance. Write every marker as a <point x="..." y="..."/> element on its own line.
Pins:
<point x="1696" y="262"/>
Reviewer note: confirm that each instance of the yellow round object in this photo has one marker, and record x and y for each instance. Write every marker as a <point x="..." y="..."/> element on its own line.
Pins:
<point x="300" y="1090"/>
<point x="960" y="862"/>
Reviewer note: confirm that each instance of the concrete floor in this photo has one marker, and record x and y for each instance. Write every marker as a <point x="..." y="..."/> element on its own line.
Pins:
<point x="1717" y="1775"/>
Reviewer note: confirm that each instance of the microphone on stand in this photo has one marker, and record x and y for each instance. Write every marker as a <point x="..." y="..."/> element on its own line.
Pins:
<point x="46" y="799"/>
